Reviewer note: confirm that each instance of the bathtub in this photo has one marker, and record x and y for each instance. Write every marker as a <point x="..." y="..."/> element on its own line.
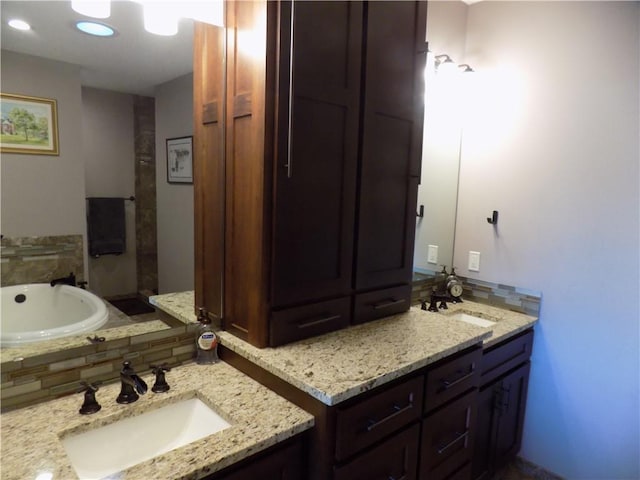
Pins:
<point x="37" y="312"/>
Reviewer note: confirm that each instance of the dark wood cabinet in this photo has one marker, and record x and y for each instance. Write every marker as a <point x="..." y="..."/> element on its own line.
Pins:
<point x="281" y="462"/>
<point x="388" y="432"/>
<point x="364" y="423"/>
<point x="323" y="133"/>
<point x="391" y="143"/>
<point x="395" y="458"/>
<point x="317" y="151"/>
<point x="501" y="405"/>
<point x="448" y="436"/>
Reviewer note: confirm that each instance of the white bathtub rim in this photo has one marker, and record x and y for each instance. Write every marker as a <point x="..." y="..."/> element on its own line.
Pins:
<point x="96" y="320"/>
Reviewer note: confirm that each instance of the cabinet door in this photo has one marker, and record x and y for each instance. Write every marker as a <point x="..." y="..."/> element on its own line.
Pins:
<point x="481" y="465"/>
<point x="316" y="160"/>
<point x="501" y="408"/>
<point x="391" y="142"/>
<point x="511" y="403"/>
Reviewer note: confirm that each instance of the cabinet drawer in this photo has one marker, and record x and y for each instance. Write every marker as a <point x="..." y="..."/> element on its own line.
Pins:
<point x="370" y="420"/>
<point x="396" y="458"/>
<point x="309" y="320"/>
<point x="381" y="303"/>
<point x="447" y="440"/>
<point x="503" y="357"/>
<point x="452" y="378"/>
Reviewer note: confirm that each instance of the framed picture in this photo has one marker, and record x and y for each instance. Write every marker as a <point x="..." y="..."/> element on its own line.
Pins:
<point x="180" y="160"/>
<point x="29" y="125"/>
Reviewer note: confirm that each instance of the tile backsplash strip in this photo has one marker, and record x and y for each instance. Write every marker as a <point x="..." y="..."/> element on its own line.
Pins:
<point x="39" y="259"/>
<point x="46" y="377"/>
<point x="498" y="295"/>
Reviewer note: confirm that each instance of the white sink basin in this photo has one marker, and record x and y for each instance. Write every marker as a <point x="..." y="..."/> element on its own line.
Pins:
<point x="465" y="317"/>
<point x="125" y="443"/>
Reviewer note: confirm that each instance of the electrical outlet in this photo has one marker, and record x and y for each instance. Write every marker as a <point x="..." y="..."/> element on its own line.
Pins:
<point x="432" y="254"/>
<point x="474" y="261"/>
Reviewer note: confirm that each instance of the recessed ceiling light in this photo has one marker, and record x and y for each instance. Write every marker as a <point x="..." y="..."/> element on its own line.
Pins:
<point x="19" y="24"/>
<point x="95" y="28"/>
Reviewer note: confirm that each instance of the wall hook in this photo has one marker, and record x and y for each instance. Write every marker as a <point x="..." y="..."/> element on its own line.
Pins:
<point x="493" y="220"/>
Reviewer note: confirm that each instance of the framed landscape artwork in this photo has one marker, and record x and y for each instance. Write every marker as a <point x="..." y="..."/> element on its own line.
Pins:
<point x="180" y="160"/>
<point x="29" y="125"/>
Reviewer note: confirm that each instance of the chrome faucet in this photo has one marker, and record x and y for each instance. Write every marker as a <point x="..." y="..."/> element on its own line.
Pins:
<point x="132" y="384"/>
<point x="69" y="280"/>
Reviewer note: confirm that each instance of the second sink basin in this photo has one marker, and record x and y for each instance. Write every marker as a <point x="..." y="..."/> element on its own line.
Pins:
<point x="472" y="319"/>
<point x="120" y="445"/>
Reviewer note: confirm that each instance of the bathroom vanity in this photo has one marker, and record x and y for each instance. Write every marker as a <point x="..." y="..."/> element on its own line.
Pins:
<point x="402" y="397"/>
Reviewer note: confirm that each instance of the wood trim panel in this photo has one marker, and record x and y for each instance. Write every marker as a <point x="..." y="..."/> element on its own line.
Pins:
<point x="208" y="166"/>
<point x="248" y="172"/>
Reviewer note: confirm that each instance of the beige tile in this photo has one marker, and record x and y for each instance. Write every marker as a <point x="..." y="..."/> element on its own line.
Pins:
<point x="106" y="368"/>
<point x="68" y="364"/>
<point x="61" y="378"/>
<point x="20" y="389"/>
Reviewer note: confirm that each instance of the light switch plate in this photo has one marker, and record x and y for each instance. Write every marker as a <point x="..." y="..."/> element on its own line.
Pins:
<point x="474" y="261"/>
<point x="432" y="254"/>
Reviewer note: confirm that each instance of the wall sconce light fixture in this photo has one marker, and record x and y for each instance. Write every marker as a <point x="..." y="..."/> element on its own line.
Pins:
<point x="444" y="61"/>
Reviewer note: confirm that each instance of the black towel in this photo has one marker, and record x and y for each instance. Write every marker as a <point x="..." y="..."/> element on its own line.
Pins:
<point x="105" y="225"/>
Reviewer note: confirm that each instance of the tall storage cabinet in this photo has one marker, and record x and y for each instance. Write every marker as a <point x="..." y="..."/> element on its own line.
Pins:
<point x="323" y="134"/>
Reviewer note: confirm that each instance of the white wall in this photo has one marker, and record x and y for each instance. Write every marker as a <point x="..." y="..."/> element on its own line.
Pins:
<point x="554" y="147"/>
<point x="108" y="146"/>
<point x="44" y="195"/>
<point x="174" y="118"/>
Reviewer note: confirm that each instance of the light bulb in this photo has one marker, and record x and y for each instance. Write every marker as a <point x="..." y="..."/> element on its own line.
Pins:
<point x="92" y="8"/>
<point x="160" y="18"/>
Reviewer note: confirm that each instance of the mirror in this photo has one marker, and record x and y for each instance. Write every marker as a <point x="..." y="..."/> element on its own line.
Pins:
<point x="44" y="196"/>
<point x="442" y="141"/>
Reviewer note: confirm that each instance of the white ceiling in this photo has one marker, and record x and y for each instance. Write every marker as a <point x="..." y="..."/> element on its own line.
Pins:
<point x="133" y="62"/>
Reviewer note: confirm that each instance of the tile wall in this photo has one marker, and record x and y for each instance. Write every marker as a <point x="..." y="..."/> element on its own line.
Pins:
<point x="40" y="259"/>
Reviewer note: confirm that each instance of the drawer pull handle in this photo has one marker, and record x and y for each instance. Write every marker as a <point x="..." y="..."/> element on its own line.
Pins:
<point x="459" y="437"/>
<point x="318" y="321"/>
<point x="387" y="304"/>
<point x="448" y="384"/>
<point x="373" y="424"/>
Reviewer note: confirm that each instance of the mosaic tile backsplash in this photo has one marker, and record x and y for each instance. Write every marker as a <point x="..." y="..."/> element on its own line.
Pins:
<point x="40" y="259"/>
<point x="41" y="377"/>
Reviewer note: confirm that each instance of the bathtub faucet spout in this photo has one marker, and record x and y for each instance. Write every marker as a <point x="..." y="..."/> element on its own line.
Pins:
<point x="69" y="280"/>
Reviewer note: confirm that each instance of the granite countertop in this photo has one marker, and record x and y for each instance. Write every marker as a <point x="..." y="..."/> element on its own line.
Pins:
<point x="339" y="365"/>
<point x="31" y="446"/>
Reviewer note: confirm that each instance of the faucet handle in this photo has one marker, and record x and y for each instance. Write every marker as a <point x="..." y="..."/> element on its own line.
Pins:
<point x="160" y="384"/>
<point x="90" y="405"/>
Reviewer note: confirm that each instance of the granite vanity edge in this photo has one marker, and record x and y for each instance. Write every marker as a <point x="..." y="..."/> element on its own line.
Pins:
<point x="180" y="305"/>
<point x="349" y="392"/>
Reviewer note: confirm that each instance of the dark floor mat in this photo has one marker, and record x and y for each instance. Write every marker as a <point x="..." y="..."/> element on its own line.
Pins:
<point x="132" y="306"/>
